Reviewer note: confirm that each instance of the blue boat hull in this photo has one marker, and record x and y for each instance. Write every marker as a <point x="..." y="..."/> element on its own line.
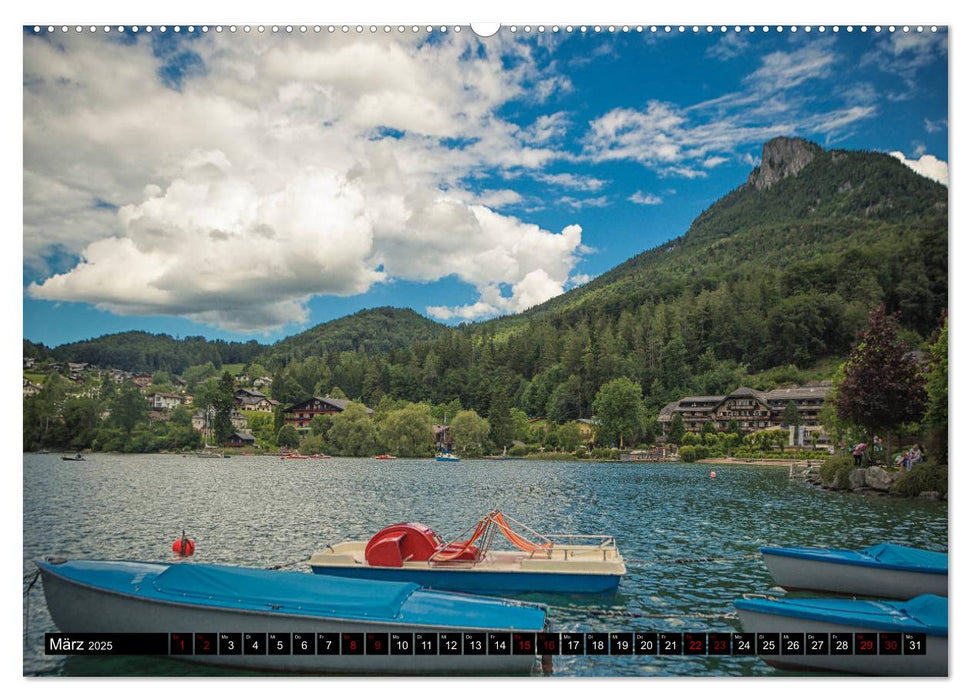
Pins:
<point x="483" y="582"/>
<point x="124" y="597"/>
<point x="882" y="571"/>
<point x="925" y="614"/>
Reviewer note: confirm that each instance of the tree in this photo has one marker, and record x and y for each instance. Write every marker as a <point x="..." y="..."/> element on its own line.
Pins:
<point x="288" y="436"/>
<point x="935" y="419"/>
<point x="520" y="424"/>
<point x="619" y="409"/>
<point x="569" y="436"/>
<point x="468" y="430"/>
<point x="882" y="387"/>
<point x="321" y="423"/>
<point x="790" y="414"/>
<point x="220" y="396"/>
<point x="500" y="422"/>
<point x="128" y="408"/>
<point x="352" y="433"/>
<point x="676" y="430"/>
<point x="407" y="432"/>
<point x="81" y="417"/>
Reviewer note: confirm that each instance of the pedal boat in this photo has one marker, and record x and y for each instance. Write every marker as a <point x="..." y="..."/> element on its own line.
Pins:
<point x="924" y="614"/>
<point x="567" y="564"/>
<point x="882" y="571"/>
<point x="86" y="596"/>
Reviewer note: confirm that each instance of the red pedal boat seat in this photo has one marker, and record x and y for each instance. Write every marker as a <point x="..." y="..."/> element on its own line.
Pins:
<point x="403" y="542"/>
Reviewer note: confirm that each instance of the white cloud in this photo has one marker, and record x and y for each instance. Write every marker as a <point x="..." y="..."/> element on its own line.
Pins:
<point x="289" y="167"/>
<point x="572" y="181"/>
<point x="784" y="70"/>
<point x="685" y="141"/>
<point x="577" y="203"/>
<point x="927" y="165"/>
<point x="729" y="46"/>
<point x="644" y="198"/>
<point x="907" y="53"/>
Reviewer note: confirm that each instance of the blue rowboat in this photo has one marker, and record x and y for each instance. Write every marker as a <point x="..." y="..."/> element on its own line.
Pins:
<point x="924" y="614"/>
<point x="86" y="596"/>
<point x="446" y="457"/>
<point x="882" y="571"/>
<point x="569" y="564"/>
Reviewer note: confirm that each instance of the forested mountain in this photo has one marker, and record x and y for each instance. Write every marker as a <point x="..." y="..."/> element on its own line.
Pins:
<point x="137" y="351"/>
<point x="768" y="285"/>
<point x="372" y="331"/>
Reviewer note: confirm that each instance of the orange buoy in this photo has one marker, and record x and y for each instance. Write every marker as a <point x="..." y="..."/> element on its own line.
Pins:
<point x="713" y="475"/>
<point x="183" y="546"/>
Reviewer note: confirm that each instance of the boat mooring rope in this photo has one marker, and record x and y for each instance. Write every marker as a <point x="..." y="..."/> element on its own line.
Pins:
<point x="27" y="602"/>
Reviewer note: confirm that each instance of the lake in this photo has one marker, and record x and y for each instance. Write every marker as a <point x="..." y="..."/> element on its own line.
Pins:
<point x="262" y="511"/>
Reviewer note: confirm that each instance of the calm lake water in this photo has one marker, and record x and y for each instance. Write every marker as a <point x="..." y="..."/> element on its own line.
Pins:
<point x="261" y="511"/>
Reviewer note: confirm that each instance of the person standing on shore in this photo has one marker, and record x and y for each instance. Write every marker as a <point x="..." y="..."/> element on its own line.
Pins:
<point x="858" y="454"/>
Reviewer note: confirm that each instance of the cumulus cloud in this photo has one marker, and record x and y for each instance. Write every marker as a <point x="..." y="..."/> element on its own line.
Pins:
<point x="927" y="165"/>
<point x="280" y="168"/>
<point x="572" y="181"/>
<point x="644" y="198"/>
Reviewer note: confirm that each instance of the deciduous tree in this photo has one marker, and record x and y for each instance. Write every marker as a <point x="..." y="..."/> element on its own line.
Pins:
<point x="882" y="386"/>
<point x="619" y="408"/>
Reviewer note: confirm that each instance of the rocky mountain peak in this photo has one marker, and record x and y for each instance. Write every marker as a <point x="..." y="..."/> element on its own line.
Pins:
<point x="782" y="157"/>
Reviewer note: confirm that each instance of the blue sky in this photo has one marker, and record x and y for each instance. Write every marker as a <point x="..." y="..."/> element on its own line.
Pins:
<point x="250" y="186"/>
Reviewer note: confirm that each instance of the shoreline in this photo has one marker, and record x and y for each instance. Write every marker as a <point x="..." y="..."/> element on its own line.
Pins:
<point x="777" y="462"/>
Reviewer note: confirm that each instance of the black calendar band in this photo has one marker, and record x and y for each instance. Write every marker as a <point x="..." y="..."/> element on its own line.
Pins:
<point x="488" y="643"/>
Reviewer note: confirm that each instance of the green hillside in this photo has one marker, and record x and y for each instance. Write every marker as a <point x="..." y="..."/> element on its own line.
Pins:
<point x="371" y="331"/>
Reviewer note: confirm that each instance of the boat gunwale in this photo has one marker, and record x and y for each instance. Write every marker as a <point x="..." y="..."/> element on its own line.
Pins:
<point x="48" y="568"/>
<point x="620" y="566"/>
<point x="825" y="555"/>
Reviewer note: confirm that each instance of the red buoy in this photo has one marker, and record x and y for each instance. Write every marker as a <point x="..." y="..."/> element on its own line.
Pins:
<point x="183" y="546"/>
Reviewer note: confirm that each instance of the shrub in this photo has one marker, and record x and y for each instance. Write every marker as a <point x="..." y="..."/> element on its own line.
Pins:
<point x="581" y="453"/>
<point x="518" y="451"/>
<point x="552" y="456"/>
<point x="838" y="468"/>
<point x="702" y="452"/>
<point x="690" y="439"/>
<point x="925" y="476"/>
<point x="687" y="454"/>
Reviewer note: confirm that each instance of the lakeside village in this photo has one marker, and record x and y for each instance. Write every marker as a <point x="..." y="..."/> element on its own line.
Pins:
<point x="840" y="435"/>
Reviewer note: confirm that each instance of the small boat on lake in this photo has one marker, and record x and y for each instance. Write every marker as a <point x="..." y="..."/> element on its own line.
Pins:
<point x="76" y="458"/>
<point x="585" y="564"/>
<point x="882" y="571"/>
<point x="385" y="457"/>
<point x="925" y="614"/>
<point x="447" y="457"/>
<point x="86" y="596"/>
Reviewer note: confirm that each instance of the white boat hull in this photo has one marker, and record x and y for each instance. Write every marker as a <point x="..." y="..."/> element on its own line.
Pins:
<point x="934" y="663"/>
<point x="795" y="574"/>
<point x="79" y="608"/>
